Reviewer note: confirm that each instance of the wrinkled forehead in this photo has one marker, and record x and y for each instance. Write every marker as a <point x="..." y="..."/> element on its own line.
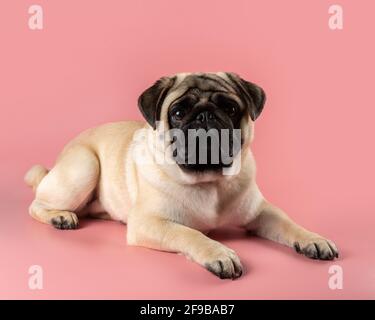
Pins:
<point x="201" y="85"/>
<point x="204" y="82"/>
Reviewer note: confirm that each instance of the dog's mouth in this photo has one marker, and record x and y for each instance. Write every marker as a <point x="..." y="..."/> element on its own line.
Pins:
<point x="201" y="168"/>
<point x="201" y="150"/>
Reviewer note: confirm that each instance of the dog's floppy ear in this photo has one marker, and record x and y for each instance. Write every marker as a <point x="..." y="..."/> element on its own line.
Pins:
<point x="252" y="94"/>
<point x="151" y="100"/>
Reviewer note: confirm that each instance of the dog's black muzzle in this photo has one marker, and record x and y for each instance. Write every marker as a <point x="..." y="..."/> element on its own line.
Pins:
<point x="205" y="143"/>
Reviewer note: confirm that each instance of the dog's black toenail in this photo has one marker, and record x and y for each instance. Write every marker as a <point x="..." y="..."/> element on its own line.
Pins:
<point x="297" y="247"/>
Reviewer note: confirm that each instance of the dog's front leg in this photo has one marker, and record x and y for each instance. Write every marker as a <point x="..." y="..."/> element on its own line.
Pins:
<point x="161" y="234"/>
<point x="272" y="223"/>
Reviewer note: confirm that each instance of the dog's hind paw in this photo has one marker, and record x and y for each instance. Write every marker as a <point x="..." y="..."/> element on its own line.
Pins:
<point x="65" y="220"/>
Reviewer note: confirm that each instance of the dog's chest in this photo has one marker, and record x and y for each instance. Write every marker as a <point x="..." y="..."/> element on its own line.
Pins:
<point x="202" y="207"/>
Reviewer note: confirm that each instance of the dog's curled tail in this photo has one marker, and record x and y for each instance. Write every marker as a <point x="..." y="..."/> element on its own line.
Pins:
<point x="34" y="175"/>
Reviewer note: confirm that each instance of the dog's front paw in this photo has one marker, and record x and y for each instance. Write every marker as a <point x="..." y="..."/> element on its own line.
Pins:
<point x="223" y="262"/>
<point x="317" y="248"/>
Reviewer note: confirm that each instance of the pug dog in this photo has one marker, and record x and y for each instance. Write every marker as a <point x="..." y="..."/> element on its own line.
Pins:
<point x="148" y="182"/>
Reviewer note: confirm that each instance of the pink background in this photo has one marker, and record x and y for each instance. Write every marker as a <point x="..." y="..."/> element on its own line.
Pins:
<point x="314" y="141"/>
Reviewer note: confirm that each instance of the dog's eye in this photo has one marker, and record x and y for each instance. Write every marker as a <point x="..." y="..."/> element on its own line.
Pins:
<point x="231" y="110"/>
<point x="178" y="114"/>
<point x="227" y="104"/>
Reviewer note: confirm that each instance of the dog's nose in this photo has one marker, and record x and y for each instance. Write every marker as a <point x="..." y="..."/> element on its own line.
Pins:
<point x="205" y="116"/>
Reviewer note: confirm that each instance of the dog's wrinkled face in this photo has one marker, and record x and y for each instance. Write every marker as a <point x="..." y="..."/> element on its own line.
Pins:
<point x="207" y="113"/>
